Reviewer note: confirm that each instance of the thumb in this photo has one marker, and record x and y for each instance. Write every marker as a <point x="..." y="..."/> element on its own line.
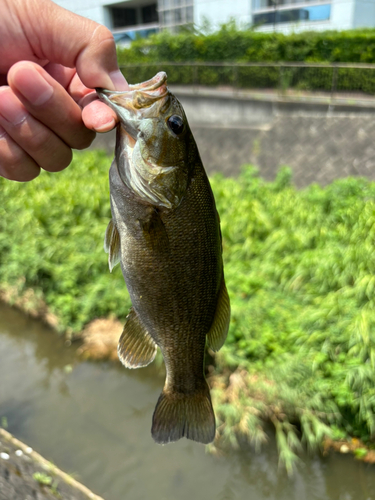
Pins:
<point x="96" y="62"/>
<point x="62" y="37"/>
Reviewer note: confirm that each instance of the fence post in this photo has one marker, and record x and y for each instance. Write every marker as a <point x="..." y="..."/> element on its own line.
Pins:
<point x="235" y="79"/>
<point x="334" y="81"/>
<point x="195" y="77"/>
<point x="281" y="76"/>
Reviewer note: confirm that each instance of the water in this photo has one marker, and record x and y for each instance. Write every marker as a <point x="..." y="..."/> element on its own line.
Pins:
<point x="94" y="421"/>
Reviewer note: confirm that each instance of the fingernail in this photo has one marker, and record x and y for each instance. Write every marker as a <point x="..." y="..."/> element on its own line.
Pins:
<point x="118" y="80"/>
<point x="106" y="127"/>
<point x="11" y="109"/>
<point x="32" y="85"/>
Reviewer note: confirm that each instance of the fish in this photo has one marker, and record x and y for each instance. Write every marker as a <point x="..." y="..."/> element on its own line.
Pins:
<point x="165" y="233"/>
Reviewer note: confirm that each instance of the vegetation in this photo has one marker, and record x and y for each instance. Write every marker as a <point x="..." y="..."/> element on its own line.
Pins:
<point x="230" y="44"/>
<point x="42" y="478"/>
<point x="300" y="270"/>
<point x="51" y="240"/>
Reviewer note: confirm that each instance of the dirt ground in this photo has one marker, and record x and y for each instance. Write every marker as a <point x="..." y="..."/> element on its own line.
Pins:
<point x="25" y="475"/>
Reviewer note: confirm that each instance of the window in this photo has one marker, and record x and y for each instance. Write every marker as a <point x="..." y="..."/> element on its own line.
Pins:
<point x="123" y="17"/>
<point x="175" y="13"/>
<point x="133" y="15"/>
<point x="265" y="4"/>
<point x="178" y="16"/>
<point x="189" y="15"/>
<point x="313" y="13"/>
<point x="149" y="14"/>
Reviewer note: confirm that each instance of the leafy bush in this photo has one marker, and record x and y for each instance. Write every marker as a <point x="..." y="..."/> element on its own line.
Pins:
<point x="300" y="270"/>
<point x="51" y="240"/>
<point x="232" y="45"/>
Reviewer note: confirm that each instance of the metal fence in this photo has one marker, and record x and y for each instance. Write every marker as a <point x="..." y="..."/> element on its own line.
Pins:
<point x="283" y="80"/>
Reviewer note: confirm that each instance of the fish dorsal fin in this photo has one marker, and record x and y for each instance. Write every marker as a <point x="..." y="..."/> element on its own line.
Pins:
<point x="136" y="347"/>
<point x="112" y="245"/>
<point x="219" y="329"/>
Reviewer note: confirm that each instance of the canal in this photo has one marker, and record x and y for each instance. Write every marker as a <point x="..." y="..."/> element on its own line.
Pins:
<point x="93" y="420"/>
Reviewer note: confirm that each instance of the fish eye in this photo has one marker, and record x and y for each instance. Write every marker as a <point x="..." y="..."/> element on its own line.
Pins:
<point x="176" y="124"/>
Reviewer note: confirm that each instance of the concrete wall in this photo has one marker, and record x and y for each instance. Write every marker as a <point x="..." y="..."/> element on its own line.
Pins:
<point x="319" y="142"/>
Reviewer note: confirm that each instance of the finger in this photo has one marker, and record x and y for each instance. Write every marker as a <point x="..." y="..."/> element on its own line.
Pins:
<point x="60" y="73"/>
<point x="78" y="91"/>
<point x="15" y="164"/>
<point x="48" y="102"/>
<point x="97" y="117"/>
<point x="38" y="141"/>
<point x="81" y="43"/>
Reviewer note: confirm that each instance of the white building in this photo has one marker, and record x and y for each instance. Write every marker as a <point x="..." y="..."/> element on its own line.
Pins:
<point x="299" y="15"/>
<point x="130" y="17"/>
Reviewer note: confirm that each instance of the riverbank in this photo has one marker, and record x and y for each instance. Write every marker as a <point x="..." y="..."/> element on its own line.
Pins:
<point x="99" y="343"/>
<point x="24" y="474"/>
<point x="299" y="270"/>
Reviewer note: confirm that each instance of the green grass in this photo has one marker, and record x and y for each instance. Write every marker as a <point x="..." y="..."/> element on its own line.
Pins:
<point x="300" y="270"/>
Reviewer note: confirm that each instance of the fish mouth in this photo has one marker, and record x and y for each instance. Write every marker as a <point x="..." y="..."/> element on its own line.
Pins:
<point x="142" y="100"/>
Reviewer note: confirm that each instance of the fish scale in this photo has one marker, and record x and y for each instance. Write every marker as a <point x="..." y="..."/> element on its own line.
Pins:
<point x="165" y="232"/>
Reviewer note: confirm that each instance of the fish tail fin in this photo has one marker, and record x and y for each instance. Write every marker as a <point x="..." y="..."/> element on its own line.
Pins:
<point x="177" y="415"/>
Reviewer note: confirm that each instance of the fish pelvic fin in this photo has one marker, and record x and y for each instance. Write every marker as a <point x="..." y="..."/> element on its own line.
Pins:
<point x="136" y="347"/>
<point x="220" y="326"/>
<point x="112" y="245"/>
<point x="180" y="415"/>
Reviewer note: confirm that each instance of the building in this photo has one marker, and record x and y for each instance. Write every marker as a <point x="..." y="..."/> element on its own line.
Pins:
<point x="299" y="15"/>
<point x="127" y="19"/>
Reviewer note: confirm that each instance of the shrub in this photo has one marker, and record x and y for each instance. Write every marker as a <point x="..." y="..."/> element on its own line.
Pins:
<point x="300" y="270"/>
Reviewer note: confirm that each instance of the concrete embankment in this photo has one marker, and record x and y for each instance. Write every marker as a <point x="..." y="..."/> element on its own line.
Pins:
<point x="26" y="475"/>
<point x="319" y="139"/>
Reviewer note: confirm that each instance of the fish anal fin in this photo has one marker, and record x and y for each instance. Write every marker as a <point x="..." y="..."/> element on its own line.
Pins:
<point x="219" y="329"/>
<point x="136" y="347"/>
<point x="112" y="245"/>
<point x="180" y="415"/>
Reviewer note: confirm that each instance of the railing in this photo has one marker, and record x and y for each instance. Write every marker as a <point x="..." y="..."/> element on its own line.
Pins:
<point x="283" y="80"/>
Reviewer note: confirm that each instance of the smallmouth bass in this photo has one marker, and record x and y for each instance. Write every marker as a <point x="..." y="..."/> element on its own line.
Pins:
<point x="165" y="232"/>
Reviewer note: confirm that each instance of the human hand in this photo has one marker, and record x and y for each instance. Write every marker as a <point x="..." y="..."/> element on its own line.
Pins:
<point x="51" y="59"/>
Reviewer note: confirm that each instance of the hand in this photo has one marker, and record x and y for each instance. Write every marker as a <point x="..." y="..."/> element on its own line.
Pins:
<point x="51" y="59"/>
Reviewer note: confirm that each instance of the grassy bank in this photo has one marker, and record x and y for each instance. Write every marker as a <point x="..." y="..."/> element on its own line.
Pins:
<point x="299" y="269"/>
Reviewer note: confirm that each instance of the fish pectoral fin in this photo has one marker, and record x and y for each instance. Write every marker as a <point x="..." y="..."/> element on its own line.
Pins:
<point x="112" y="245"/>
<point x="219" y="329"/>
<point x="154" y="232"/>
<point x="136" y="347"/>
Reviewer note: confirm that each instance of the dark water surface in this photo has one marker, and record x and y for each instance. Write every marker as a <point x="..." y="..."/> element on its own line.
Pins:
<point x="94" y="421"/>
